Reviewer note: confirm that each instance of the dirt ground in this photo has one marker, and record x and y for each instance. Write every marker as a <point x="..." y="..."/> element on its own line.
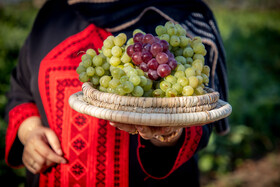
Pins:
<point x="262" y="173"/>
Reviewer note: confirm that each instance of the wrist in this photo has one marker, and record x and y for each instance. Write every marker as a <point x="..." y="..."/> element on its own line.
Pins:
<point x="27" y="127"/>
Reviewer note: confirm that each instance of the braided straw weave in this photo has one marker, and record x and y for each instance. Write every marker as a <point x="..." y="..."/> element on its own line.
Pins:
<point x="177" y="111"/>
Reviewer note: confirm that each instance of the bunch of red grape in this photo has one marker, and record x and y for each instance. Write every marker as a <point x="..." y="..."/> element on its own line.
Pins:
<point x="151" y="55"/>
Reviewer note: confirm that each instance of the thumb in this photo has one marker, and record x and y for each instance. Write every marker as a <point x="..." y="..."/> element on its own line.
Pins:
<point x="53" y="141"/>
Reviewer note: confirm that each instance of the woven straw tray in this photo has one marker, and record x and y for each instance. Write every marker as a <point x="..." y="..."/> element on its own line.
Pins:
<point x="214" y="111"/>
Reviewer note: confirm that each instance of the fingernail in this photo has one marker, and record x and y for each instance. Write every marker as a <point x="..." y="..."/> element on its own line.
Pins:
<point x="59" y="151"/>
<point x="139" y="128"/>
<point x="63" y="161"/>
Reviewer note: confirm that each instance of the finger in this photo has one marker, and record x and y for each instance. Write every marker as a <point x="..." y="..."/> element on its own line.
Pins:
<point x="125" y="127"/>
<point x="145" y="132"/>
<point x="28" y="165"/>
<point x="43" y="149"/>
<point x="53" y="141"/>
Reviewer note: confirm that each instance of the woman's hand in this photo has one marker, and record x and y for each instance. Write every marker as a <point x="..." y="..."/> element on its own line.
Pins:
<point x="159" y="136"/>
<point x="41" y="146"/>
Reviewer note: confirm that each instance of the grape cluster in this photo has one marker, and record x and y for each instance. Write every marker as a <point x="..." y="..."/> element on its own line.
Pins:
<point x="151" y="55"/>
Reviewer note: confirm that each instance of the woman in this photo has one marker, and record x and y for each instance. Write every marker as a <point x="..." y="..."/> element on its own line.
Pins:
<point x="60" y="147"/>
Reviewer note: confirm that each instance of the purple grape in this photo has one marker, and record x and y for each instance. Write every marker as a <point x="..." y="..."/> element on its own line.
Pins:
<point x="144" y="67"/>
<point x="146" y="47"/>
<point x="148" y="39"/>
<point x="137" y="47"/>
<point x="136" y="58"/>
<point x="163" y="70"/>
<point x="152" y="74"/>
<point x="165" y="45"/>
<point x="162" y="58"/>
<point x="172" y="63"/>
<point x="156" y="48"/>
<point x="146" y="56"/>
<point x="157" y="39"/>
<point x="153" y="64"/>
<point x="130" y="50"/>
<point x="138" y="37"/>
<point x="170" y="55"/>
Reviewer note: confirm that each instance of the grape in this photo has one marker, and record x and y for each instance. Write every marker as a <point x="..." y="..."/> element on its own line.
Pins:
<point x="140" y="72"/>
<point x="132" y="72"/>
<point x="144" y="67"/>
<point x="138" y="37"/>
<point x="174" y="41"/>
<point x="143" y="81"/>
<point x="148" y="93"/>
<point x="95" y="80"/>
<point x="117" y="73"/>
<point x="130" y="41"/>
<point x="163" y="70"/>
<point x="90" y="71"/>
<point x="128" y="65"/>
<point x="135" y="79"/>
<point x="199" y="90"/>
<point x="146" y="56"/>
<point x="199" y="48"/>
<point x="164" y="85"/>
<point x="128" y="86"/>
<point x="178" y="52"/>
<point x="119" y="90"/>
<point x="190" y="72"/>
<point x="138" y="91"/>
<point x="189" y="60"/>
<point x="108" y="43"/>
<point x="181" y="59"/>
<point x="165" y="45"/>
<point x="125" y="58"/>
<point x="172" y="63"/>
<point x="187" y="91"/>
<point x="119" y="40"/>
<point x="99" y="71"/>
<point x="115" y="61"/>
<point x="130" y="50"/>
<point x="102" y="89"/>
<point x="83" y="77"/>
<point x="91" y="52"/>
<point x="171" y="92"/>
<point x="179" y="74"/>
<point x="171" y="30"/>
<point x="206" y="70"/>
<point x="169" y="54"/>
<point x="198" y="56"/>
<point x="152" y="74"/>
<point x="137" y="31"/>
<point x="148" y="85"/>
<point x="165" y="37"/>
<point x="160" y="30"/>
<point x="104" y="81"/>
<point x="153" y="64"/>
<point x="196" y="40"/>
<point x="193" y="81"/>
<point x="124" y="79"/>
<point x="146" y="47"/>
<point x="86" y="56"/>
<point x="87" y="63"/>
<point x="200" y="79"/>
<point x="106" y="66"/>
<point x="180" y="67"/>
<point x="106" y="52"/>
<point x="80" y="69"/>
<point x="114" y="83"/>
<point x="162" y="58"/>
<point x="97" y="60"/>
<point x="183" y="81"/>
<point x="177" y="87"/>
<point x="198" y="64"/>
<point x="116" y="51"/>
<point x="168" y="24"/>
<point x="188" y="52"/>
<point x="156" y="48"/>
<point x="158" y="93"/>
<point x="170" y="78"/>
<point x="148" y="38"/>
<point x="205" y="78"/>
<point x="187" y="66"/>
<point x="184" y="41"/>
<point x="137" y="47"/>
<point x="123" y="36"/>
<point x="137" y="58"/>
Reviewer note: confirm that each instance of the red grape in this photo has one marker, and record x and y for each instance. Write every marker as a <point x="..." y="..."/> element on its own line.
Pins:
<point x="170" y="55"/>
<point x="148" y="39"/>
<point x="152" y="74"/>
<point x="146" y="47"/>
<point x="144" y="67"/>
<point x="172" y="63"/>
<point x="138" y="37"/>
<point x="163" y="70"/>
<point x="156" y="48"/>
<point x="162" y="58"/>
<point x="130" y="50"/>
<point x="152" y="64"/>
<point x="136" y="58"/>
<point x="165" y="45"/>
<point x="137" y="47"/>
<point x="146" y="56"/>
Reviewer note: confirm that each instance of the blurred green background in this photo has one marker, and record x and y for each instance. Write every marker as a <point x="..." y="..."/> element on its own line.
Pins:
<point x="249" y="154"/>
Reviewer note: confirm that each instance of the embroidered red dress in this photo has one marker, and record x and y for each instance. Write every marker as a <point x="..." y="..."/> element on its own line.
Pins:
<point x="97" y="153"/>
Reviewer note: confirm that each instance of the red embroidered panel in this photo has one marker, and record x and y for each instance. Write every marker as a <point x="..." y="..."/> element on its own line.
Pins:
<point x="192" y="138"/>
<point x="16" y="116"/>
<point x="89" y="144"/>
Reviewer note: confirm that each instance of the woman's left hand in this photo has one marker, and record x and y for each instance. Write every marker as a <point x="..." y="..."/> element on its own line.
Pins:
<point x="159" y="136"/>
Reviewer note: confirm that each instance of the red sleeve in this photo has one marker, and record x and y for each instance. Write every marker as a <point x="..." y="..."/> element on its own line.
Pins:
<point x="190" y="145"/>
<point x="16" y="116"/>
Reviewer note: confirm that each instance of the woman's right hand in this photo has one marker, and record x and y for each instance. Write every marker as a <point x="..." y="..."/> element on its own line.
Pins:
<point x="41" y="146"/>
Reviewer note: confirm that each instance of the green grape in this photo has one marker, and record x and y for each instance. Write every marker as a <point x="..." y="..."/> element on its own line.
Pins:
<point x="189" y="60"/>
<point x="181" y="59"/>
<point x="158" y="93"/>
<point x="200" y="79"/>
<point x="168" y="24"/>
<point x="179" y="74"/>
<point x="143" y="81"/>
<point x="116" y="51"/>
<point x="107" y="72"/>
<point x="205" y="79"/>
<point x="130" y="41"/>
<point x="195" y="41"/>
<point x="180" y="30"/>
<point x="95" y="80"/>
<point x="99" y="71"/>
<point x="120" y="66"/>
<point x="187" y="66"/>
<point x="102" y="89"/>
<point x="115" y="61"/>
<point x="206" y="70"/>
<point x="124" y="79"/>
<point x="110" y="90"/>
<point x="164" y="85"/>
<point x="119" y="90"/>
<point x="80" y="69"/>
<point x="165" y="37"/>
<point x="197" y="72"/>
<point x="199" y="48"/>
<point x="148" y="86"/>
<point x="171" y="30"/>
<point x="91" y="52"/>
<point x="87" y="63"/>
<point x="148" y="93"/>
<point x="197" y="64"/>
<point x="140" y="72"/>
<point x="86" y="56"/>
<point x="131" y="72"/>
<point x="199" y="90"/>
<point x="108" y="43"/>
<point x="193" y="81"/>
<point x="171" y="92"/>
<point x="128" y="86"/>
<point x="104" y="81"/>
<point x="97" y="60"/>
<point x="128" y="65"/>
<point x="83" y="77"/>
<point x="106" y="66"/>
<point x="180" y="67"/>
<point x="184" y="41"/>
<point x="135" y="79"/>
<point x="198" y="56"/>
<point x="114" y="83"/>
<point x="174" y="41"/>
<point x="138" y="91"/>
<point x="119" y="40"/>
<point x="123" y="36"/>
<point x="190" y="72"/>
<point x="170" y="78"/>
<point x="177" y="87"/>
<point x="188" y="52"/>
<point x="183" y="81"/>
<point x="178" y="52"/>
<point x="125" y="58"/>
<point x="160" y="30"/>
<point x="106" y="51"/>
<point x="137" y="31"/>
<point x="187" y="91"/>
<point x="90" y="71"/>
<point x="117" y="73"/>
